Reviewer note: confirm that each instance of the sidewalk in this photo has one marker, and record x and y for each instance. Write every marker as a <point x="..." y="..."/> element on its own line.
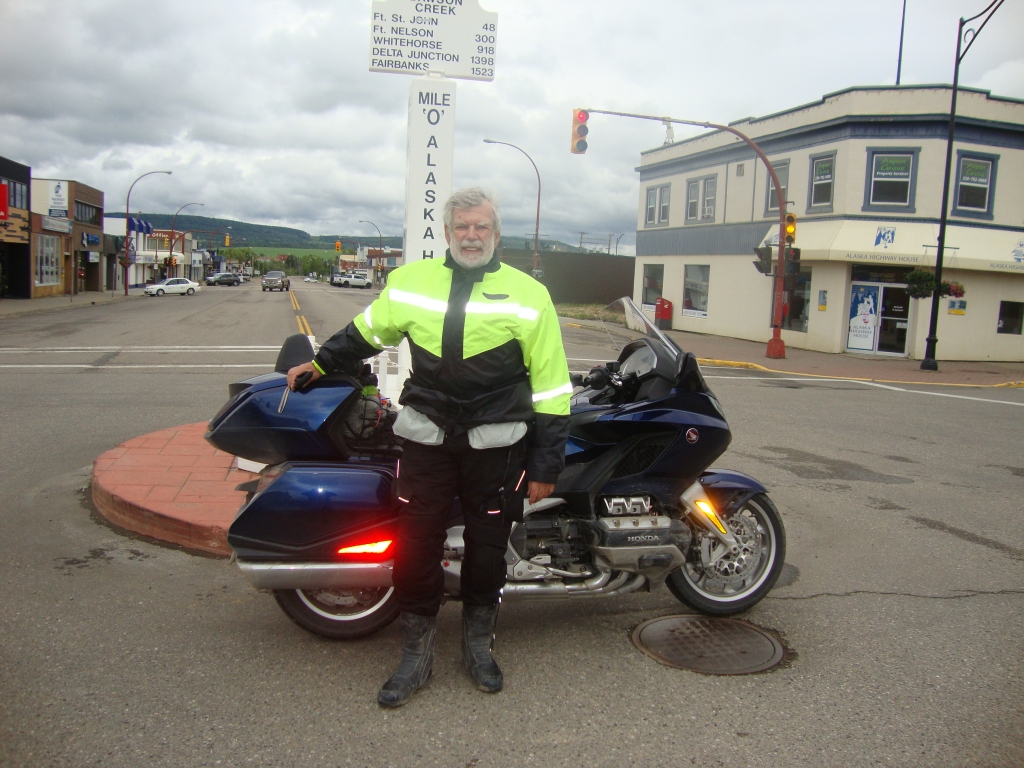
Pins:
<point x="171" y="485"/>
<point x="740" y="353"/>
<point x="16" y="307"/>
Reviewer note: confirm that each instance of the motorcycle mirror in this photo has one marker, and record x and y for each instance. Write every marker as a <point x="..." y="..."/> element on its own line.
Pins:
<point x="576" y="379"/>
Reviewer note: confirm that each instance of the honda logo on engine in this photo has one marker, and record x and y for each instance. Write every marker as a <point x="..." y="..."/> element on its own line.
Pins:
<point x="692" y="435"/>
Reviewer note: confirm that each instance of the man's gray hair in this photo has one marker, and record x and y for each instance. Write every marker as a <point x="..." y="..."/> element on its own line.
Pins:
<point x="470" y="197"/>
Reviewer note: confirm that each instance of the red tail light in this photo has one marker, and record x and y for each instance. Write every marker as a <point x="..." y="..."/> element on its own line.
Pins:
<point x="374" y="548"/>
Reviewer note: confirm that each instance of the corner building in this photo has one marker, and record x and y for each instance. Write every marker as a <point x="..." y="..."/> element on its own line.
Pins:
<point x="862" y="169"/>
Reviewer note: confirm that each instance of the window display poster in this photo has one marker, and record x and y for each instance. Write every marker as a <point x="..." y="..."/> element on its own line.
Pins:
<point x="863" y="317"/>
<point x="957" y="307"/>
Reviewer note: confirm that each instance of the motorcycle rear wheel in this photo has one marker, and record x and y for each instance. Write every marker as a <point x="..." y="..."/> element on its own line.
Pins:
<point x="697" y="589"/>
<point x="332" y="613"/>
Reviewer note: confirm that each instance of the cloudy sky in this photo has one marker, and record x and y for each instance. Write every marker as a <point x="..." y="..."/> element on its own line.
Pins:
<point x="266" y="111"/>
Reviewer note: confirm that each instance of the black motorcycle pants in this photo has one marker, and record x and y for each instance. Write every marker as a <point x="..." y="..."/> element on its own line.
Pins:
<point x="491" y="486"/>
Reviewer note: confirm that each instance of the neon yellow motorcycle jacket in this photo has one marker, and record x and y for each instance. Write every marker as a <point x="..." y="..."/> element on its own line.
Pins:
<point x="486" y="349"/>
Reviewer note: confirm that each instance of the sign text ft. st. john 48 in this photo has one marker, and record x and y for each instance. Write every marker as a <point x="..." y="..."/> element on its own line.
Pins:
<point x="412" y="37"/>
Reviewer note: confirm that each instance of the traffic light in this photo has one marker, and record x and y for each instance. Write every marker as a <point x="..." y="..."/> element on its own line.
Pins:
<point x="227" y="241"/>
<point x="792" y="261"/>
<point x="790" y="228"/>
<point x="764" y="259"/>
<point x="579" y="131"/>
<point x="337" y="245"/>
<point x="167" y="242"/>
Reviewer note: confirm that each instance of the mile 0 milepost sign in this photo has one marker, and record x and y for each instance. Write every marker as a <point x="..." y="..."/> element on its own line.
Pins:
<point x="413" y="37"/>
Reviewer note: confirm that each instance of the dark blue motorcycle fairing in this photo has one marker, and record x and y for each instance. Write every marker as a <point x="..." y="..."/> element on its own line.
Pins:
<point x="312" y="507"/>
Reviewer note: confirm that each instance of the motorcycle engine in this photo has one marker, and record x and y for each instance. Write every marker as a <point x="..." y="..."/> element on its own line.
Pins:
<point x="550" y="540"/>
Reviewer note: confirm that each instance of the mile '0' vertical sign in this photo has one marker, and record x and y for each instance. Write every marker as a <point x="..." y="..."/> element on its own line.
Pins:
<point x="430" y="154"/>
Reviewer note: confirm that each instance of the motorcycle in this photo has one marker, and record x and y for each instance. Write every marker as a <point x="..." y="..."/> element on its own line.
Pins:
<point x="636" y="507"/>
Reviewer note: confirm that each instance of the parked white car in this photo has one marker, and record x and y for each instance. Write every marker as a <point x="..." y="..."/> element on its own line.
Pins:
<point x="179" y="285"/>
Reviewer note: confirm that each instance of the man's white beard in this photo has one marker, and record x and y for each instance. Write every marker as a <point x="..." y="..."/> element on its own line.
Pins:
<point x="472" y="262"/>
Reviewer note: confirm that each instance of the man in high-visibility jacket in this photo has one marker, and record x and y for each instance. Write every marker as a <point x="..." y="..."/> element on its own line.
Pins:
<point x="485" y="416"/>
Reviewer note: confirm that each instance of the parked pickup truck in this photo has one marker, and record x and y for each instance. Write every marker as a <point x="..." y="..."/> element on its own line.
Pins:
<point x="351" y="280"/>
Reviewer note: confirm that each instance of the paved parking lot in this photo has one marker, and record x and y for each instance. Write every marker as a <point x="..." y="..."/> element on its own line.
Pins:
<point x="902" y="603"/>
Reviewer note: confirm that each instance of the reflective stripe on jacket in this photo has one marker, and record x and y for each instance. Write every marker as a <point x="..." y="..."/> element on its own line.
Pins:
<point x="486" y="348"/>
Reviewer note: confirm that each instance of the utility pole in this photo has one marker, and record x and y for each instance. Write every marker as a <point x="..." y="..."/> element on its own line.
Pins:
<point x="581" y="241"/>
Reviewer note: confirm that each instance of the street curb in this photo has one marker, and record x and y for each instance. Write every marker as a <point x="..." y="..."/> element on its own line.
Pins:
<point x="138" y="519"/>
<point x="171" y="485"/>
<point x="62" y="307"/>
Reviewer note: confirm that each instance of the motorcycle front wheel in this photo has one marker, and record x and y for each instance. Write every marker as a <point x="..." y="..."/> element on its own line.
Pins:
<point x="339" y="614"/>
<point x="734" y="583"/>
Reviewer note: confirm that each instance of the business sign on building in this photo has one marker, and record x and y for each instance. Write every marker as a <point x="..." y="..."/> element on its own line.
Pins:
<point x="56" y="225"/>
<point x="88" y="239"/>
<point x="412" y="37"/>
<point x="57" y="194"/>
<point x="4" y="200"/>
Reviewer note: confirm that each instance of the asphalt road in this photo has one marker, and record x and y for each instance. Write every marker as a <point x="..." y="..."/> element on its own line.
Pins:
<point x="902" y="603"/>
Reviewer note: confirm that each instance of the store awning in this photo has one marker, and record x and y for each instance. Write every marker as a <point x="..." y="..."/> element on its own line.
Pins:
<point x="908" y="244"/>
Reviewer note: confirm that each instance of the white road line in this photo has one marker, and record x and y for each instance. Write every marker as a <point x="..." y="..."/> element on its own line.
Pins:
<point x="869" y="384"/>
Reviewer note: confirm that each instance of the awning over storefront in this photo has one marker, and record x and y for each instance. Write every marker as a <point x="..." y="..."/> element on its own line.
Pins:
<point x="907" y="244"/>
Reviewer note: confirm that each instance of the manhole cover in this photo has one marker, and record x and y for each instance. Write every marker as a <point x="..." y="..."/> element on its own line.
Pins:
<point x="708" y="645"/>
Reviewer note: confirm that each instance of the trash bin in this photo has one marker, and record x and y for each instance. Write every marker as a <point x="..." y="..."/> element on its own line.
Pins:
<point x="663" y="314"/>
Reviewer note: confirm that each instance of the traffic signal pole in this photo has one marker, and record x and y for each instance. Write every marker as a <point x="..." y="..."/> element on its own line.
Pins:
<point x="776" y="346"/>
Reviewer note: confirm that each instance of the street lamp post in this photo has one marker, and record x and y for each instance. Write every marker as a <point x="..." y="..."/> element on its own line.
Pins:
<point x="929" y="363"/>
<point x="380" y="249"/>
<point x="536" y="229"/>
<point x="127" y="218"/>
<point x="173" y="238"/>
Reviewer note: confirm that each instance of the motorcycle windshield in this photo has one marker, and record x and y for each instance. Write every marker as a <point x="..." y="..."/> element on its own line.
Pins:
<point x="627" y="313"/>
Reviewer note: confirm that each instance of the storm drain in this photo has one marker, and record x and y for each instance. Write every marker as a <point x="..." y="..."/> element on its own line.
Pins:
<point x="707" y="645"/>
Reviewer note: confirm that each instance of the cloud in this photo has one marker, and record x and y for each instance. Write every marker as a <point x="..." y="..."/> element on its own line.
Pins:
<point x="266" y="112"/>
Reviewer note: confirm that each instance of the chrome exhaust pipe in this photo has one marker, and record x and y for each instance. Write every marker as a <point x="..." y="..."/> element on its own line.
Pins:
<point x="317" y="575"/>
<point x="601" y="585"/>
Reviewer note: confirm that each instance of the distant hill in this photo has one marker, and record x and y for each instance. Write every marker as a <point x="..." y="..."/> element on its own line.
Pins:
<point x="244" y="234"/>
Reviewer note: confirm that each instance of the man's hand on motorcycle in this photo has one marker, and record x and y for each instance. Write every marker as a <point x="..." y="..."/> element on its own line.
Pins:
<point x="540" y="491"/>
<point x="298" y="370"/>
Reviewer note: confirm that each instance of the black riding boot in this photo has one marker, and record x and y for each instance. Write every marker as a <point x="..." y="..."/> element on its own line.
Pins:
<point x="477" y="639"/>
<point x="417" y="660"/>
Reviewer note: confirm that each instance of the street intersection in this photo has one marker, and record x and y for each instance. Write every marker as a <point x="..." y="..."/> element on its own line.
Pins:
<point x="902" y="604"/>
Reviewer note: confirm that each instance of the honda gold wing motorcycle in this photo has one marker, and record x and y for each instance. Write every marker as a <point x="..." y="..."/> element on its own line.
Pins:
<point x="637" y="506"/>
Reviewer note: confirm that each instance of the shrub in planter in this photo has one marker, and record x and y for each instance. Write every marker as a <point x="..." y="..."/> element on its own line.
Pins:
<point x="921" y="285"/>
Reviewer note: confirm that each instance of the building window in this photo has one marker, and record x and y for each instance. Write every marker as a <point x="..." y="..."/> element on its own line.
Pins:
<point x="772" y="199"/>
<point x="1011" y="317"/>
<point x="700" y="199"/>
<point x="975" y="184"/>
<point x="797" y="298"/>
<point x="654" y="278"/>
<point x="695" y="290"/>
<point x="87" y="214"/>
<point x="822" y="183"/>
<point x="708" y="208"/>
<point x="657" y="208"/>
<point x="692" y="200"/>
<point x="17" y="194"/>
<point x="891" y="179"/>
<point x="48" y="252"/>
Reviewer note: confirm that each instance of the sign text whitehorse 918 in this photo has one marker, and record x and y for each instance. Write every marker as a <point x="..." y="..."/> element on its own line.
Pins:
<point x="430" y="155"/>
<point x="413" y="37"/>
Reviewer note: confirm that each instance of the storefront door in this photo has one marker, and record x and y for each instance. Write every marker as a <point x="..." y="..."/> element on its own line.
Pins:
<point x="879" y="318"/>
<point x="895" y="316"/>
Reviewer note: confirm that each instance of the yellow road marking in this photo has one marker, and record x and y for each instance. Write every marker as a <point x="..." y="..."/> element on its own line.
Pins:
<point x="295" y="302"/>
<point x="298" y="320"/>
<point x="303" y="325"/>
